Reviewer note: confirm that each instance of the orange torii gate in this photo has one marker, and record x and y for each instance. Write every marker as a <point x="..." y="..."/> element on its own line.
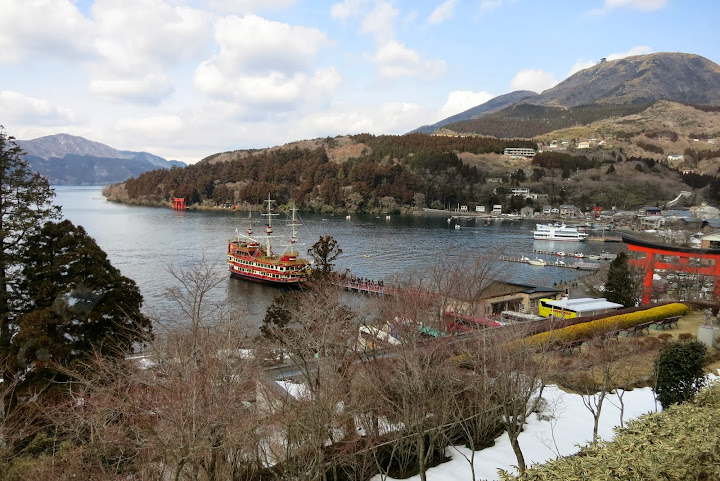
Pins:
<point x="178" y="203"/>
<point x="655" y="258"/>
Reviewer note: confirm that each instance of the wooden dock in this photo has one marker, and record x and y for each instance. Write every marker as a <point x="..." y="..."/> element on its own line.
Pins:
<point x="578" y="265"/>
<point x="362" y="285"/>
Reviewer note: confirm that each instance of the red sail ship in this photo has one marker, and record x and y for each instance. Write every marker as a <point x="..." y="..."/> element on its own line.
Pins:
<point x="251" y="260"/>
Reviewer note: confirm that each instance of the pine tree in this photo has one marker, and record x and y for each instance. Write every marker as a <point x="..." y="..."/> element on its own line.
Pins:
<point x="76" y="304"/>
<point x="25" y="204"/>
<point x="620" y="287"/>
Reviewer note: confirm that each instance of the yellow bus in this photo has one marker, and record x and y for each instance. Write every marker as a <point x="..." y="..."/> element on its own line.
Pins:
<point x="556" y="309"/>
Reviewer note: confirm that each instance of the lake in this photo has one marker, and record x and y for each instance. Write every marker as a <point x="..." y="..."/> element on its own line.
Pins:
<point x="144" y="241"/>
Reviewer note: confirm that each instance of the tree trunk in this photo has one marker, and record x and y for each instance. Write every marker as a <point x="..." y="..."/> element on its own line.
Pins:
<point x="421" y="457"/>
<point x="518" y="452"/>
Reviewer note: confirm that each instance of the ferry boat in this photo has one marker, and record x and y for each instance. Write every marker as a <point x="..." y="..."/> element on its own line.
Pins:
<point x="558" y="232"/>
<point x="251" y="260"/>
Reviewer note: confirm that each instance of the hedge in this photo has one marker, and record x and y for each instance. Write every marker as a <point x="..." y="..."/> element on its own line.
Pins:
<point x="679" y="443"/>
<point x="588" y="330"/>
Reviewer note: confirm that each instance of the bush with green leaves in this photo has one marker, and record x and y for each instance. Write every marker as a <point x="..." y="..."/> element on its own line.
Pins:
<point x="679" y="372"/>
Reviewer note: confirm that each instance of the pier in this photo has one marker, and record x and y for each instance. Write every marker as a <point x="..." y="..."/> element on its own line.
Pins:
<point x="362" y="285"/>
<point x="578" y="265"/>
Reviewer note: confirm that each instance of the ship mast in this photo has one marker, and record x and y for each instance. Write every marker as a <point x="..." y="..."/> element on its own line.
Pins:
<point x="293" y="225"/>
<point x="268" y="227"/>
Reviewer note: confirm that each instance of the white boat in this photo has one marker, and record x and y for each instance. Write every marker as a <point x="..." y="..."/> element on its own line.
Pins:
<point x="537" y="262"/>
<point x="558" y="232"/>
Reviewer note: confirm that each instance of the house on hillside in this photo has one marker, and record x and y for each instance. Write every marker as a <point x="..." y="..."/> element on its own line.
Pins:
<point x="649" y="210"/>
<point x="710" y="241"/>
<point x="499" y="296"/>
<point x="527" y="211"/>
<point x="569" y="210"/>
<point x="676" y="157"/>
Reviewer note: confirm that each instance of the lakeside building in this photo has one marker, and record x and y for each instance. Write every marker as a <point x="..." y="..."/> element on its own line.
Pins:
<point x="582" y="307"/>
<point x="518" y="153"/>
<point x="499" y="296"/>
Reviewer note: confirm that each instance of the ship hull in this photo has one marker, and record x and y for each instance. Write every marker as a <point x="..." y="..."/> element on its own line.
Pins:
<point x="267" y="282"/>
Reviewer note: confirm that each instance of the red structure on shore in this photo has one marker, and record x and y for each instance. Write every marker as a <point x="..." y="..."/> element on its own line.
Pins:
<point x="178" y="203"/>
<point x="673" y="258"/>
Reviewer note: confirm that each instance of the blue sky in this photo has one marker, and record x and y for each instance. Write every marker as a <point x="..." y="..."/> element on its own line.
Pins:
<point x="184" y="79"/>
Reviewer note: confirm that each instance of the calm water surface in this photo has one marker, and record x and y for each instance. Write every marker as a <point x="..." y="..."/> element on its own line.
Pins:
<point x="143" y="241"/>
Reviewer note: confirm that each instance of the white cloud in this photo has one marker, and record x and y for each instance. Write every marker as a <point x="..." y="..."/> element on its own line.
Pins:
<point x="532" y="79"/>
<point x="43" y="28"/>
<point x="641" y="5"/>
<point x="386" y="118"/>
<point x="490" y="5"/>
<point x="461" y="100"/>
<point x="141" y="41"/>
<point x="275" y="90"/>
<point x="250" y="6"/>
<point x="148" y="88"/>
<point x="347" y="9"/>
<point x="380" y="22"/>
<point x="254" y="44"/>
<point x="154" y="127"/>
<point x="394" y="60"/>
<point x="21" y="109"/>
<point x="442" y="12"/>
<point x="266" y="65"/>
<point x="637" y="50"/>
<point x="581" y="65"/>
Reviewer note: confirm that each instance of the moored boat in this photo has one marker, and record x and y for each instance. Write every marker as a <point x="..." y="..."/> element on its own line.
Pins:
<point x="251" y="260"/>
<point x="537" y="262"/>
<point x="558" y="232"/>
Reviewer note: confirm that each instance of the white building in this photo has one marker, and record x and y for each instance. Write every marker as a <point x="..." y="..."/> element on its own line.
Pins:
<point x="517" y="153"/>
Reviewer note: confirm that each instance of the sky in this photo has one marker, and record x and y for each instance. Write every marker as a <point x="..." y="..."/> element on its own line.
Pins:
<point x="184" y="79"/>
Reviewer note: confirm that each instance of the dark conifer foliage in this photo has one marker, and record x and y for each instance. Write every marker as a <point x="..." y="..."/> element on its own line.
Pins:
<point x="25" y="203"/>
<point x="391" y="166"/>
<point x="620" y="286"/>
<point x="76" y="303"/>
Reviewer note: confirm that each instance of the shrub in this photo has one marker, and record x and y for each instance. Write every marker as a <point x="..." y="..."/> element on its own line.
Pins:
<point x="587" y="330"/>
<point x="679" y="372"/>
<point x="674" y="444"/>
<point x="665" y="337"/>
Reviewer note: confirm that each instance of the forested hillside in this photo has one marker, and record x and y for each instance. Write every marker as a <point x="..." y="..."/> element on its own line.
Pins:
<point x="390" y="172"/>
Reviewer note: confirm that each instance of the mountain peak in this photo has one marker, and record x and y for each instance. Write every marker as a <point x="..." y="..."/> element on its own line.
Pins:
<point x="679" y="77"/>
<point x="60" y="145"/>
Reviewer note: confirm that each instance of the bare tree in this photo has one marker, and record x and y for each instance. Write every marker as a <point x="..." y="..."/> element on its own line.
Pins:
<point x="517" y="370"/>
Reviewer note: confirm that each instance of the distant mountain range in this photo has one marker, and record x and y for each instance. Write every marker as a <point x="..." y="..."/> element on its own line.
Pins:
<point x="607" y="89"/>
<point x="492" y="105"/>
<point x="71" y="160"/>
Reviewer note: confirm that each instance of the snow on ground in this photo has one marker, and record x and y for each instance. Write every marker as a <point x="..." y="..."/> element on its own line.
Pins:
<point x="563" y="426"/>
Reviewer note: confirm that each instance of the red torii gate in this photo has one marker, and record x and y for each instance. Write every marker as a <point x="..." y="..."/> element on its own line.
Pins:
<point x="178" y="203"/>
<point x="709" y="262"/>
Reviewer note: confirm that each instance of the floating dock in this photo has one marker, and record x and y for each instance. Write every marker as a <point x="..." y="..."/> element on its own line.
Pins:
<point x="578" y="265"/>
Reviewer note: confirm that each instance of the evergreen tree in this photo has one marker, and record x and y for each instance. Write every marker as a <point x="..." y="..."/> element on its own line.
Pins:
<point x="679" y="372"/>
<point x="324" y="252"/>
<point x="76" y="304"/>
<point x="620" y="286"/>
<point x="25" y="204"/>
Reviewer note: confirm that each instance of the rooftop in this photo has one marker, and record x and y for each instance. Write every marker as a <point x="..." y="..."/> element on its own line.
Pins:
<point x="584" y="304"/>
